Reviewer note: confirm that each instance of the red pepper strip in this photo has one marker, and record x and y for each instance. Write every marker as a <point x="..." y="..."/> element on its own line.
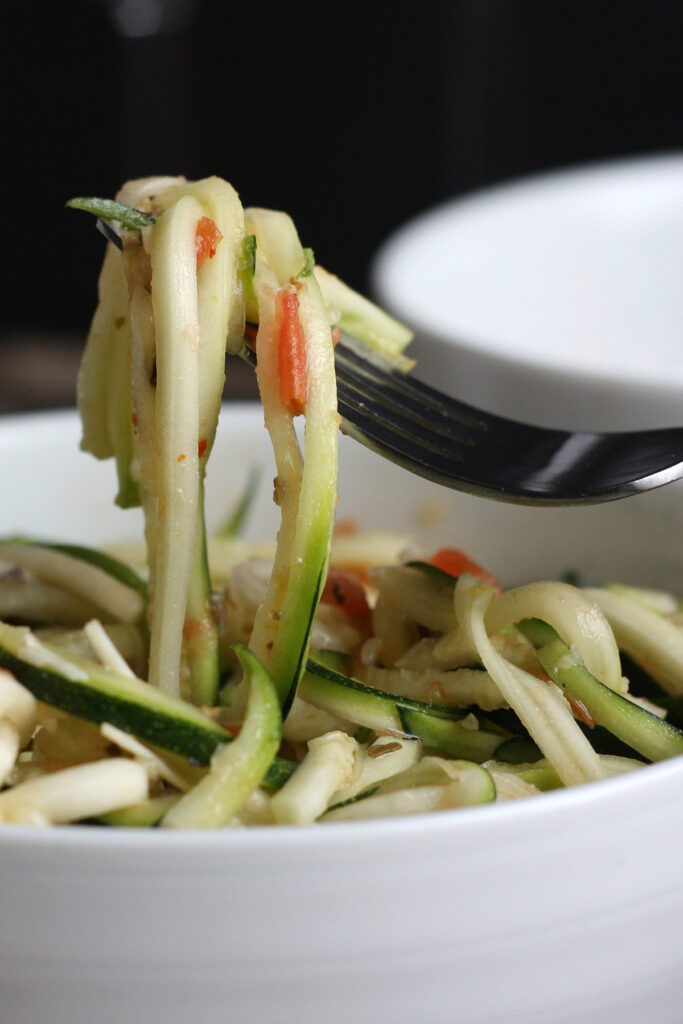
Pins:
<point x="292" y="354"/>
<point x="345" y="589"/>
<point x="207" y="238"/>
<point x="456" y="562"/>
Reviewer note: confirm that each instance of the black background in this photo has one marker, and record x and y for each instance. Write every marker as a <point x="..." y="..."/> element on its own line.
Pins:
<point x="352" y="117"/>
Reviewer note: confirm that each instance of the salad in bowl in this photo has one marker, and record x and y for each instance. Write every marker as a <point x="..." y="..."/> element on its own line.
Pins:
<point x="197" y="681"/>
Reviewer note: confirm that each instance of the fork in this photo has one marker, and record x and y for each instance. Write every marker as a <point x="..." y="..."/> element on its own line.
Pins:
<point x="466" y="449"/>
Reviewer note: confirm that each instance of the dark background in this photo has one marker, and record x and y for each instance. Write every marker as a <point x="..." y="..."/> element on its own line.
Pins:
<point x="352" y="117"/>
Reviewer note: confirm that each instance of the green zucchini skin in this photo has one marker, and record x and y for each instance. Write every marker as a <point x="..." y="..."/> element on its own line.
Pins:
<point x="439" y="728"/>
<point x="652" y="737"/>
<point x="439" y="576"/>
<point x="131" y="705"/>
<point x="112" y="211"/>
<point x="145" y="815"/>
<point x="309" y="485"/>
<point x="100" y="559"/>
<point x="361" y="319"/>
<point x="159" y="720"/>
<point x="238" y="768"/>
<point x="474" y="785"/>
<point x="451" y="737"/>
<point x="113" y="589"/>
<point x="518" y="750"/>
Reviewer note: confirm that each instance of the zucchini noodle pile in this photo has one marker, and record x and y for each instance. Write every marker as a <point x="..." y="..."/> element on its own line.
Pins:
<point x="203" y="681"/>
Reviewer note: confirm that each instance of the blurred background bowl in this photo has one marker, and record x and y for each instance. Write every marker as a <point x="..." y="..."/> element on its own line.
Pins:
<point x="555" y="299"/>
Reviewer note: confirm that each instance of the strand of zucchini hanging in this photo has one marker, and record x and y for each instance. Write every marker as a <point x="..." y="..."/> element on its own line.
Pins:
<point x="221" y="318"/>
<point x="306" y="489"/>
<point x="134" y="461"/>
<point x="176" y="385"/>
<point x="186" y="420"/>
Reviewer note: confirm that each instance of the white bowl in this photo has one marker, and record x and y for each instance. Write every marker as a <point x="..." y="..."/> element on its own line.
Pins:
<point x="556" y="299"/>
<point x="564" y="907"/>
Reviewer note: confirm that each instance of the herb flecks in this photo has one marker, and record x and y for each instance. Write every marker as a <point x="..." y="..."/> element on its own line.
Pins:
<point x="113" y="212"/>
<point x="309" y="264"/>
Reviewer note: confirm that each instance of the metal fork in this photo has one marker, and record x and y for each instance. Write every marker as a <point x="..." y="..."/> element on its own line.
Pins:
<point x="461" y="447"/>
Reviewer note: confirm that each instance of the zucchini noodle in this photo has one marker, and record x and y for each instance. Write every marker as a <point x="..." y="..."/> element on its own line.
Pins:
<point x="197" y="681"/>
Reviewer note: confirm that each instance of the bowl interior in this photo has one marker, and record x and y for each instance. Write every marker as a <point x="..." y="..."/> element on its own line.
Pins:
<point x="277" y="923"/>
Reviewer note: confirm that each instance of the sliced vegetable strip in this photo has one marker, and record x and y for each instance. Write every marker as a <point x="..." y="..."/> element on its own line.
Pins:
<point x="361" y="319"/>
<point x="541" y="707"/>
<point x="100" y="356"/>
<point x="176" y="319"/>
<point x="327" y="767"/>
<point x="145" y="814"/>
<point x="432" y="784"/>
<point x="439" y="728"/>
<point x="103" y="381"/>
<point x="306" y="493"/>
<point x="99" y="579"/>
<point x="653" y="641"/>
<point x="112" y="210"/>
<point x="237" y="769"/>
<point x="221" y="322"/>
<point x="200" y="633"/>
<point x="74" y="793"/>
<point x="90" y="691"/>
<point x="112" y="566"/>
<point x="289" y="467"/>
<point x="576" y="617"/>
<point x="651" y="736"/>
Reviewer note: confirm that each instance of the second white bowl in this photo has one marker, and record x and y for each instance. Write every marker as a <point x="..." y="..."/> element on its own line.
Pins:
<point x="556" y="299"/>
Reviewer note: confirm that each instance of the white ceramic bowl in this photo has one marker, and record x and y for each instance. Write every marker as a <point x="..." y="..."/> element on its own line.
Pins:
<point x="556" y="299"/>
<point x="556" y="909"/>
